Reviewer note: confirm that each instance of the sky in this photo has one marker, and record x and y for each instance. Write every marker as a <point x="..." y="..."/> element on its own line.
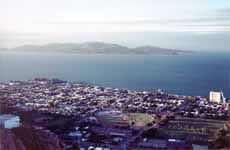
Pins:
<point x="42" y="21"/>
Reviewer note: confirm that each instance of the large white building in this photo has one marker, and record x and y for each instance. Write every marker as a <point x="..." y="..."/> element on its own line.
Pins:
<point x="9" y="121"/>
<point x="217" y="97"/>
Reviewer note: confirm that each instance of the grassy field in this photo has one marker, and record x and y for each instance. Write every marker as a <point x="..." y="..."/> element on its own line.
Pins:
<point x="139" y="119"/>
<point x="113" y="120"/>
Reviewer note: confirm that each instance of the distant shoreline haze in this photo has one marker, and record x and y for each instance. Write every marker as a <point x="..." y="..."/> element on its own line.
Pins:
<point x="94" y="48"/>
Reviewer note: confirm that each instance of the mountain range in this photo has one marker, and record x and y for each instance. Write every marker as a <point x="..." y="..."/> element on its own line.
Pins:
<point x="94" y="48"/>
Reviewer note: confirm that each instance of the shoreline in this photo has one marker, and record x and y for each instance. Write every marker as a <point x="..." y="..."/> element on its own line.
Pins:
<point x="122" y="88"/>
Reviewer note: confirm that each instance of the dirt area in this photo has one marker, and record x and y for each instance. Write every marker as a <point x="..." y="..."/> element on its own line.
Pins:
<point x="37" y="138"/>
<point x="28" y="138"/>
<point x="9" y="141"/>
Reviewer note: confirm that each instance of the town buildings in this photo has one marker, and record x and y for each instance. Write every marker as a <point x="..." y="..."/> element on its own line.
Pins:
<point x="99" y="115"/>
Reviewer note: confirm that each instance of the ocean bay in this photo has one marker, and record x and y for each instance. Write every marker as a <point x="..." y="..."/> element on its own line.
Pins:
<point x="184" y="74"/>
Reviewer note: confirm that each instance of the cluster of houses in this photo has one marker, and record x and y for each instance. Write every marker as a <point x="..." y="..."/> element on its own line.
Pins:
<point x="206" y="109"/>
<point x="56" y="96"/>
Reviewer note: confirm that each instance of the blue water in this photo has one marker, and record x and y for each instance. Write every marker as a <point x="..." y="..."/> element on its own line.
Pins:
<point x="185" y="74"/>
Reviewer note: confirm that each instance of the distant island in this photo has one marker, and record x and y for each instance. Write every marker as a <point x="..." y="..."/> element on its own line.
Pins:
<point x="94" y="48"/>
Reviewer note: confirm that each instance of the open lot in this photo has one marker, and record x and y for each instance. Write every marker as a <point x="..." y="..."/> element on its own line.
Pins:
<point x="140" y="119"/>
<point x="120" y="120"/>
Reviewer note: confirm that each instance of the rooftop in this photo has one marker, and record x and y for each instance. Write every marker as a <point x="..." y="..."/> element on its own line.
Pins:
<point x="5" y="117"/>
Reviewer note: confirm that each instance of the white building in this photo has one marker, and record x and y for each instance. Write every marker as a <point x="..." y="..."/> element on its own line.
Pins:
<point x="9" y="121"/>
<point x="217" y="97"/>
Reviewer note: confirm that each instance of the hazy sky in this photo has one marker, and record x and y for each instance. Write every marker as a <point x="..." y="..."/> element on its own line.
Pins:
<point x="61" y="18"/>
